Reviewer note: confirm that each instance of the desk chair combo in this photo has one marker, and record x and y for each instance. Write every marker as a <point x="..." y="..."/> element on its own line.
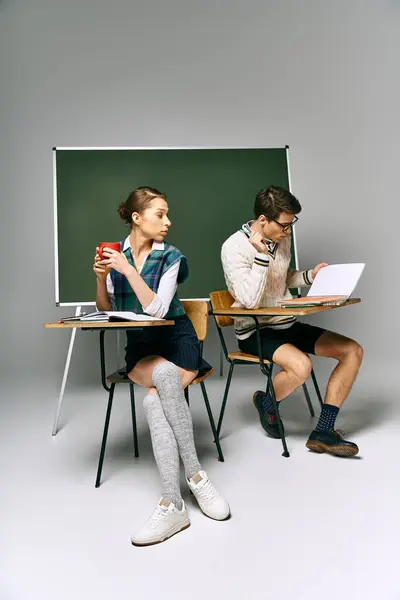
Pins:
<point x="223" y="300"/>
<point x="197" y="311"/>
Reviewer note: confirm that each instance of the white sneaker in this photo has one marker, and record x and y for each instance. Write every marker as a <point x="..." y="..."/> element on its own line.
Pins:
<point x="165" y="521"/>
<point x="210" y="502"/>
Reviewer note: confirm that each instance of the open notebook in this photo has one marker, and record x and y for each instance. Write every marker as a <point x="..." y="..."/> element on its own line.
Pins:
<point x="332" y="286"/>
<point x="110" y="315"/>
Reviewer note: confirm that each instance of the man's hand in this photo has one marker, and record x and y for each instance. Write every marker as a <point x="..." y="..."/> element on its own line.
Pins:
<point x="257" y="242"/>
<point x="318" y="268"/>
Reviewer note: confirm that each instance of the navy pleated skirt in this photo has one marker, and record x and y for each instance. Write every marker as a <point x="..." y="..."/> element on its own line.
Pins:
<point x="177" y="343"/>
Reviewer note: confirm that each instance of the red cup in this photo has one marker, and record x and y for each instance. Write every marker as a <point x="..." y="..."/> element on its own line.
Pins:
<point x="111" y="245"/>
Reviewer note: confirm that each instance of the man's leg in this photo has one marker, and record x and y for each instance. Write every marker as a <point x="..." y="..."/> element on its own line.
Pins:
<point x="296" y="367"/>
<point x="349" y="355"/>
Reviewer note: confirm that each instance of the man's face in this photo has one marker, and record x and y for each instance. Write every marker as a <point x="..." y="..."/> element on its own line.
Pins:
<point x="276" y="230"/>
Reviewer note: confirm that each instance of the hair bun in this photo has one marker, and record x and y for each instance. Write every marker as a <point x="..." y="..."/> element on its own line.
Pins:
<point x="138" y="201"/>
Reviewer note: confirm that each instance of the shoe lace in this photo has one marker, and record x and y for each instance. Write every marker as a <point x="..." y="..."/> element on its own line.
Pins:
<point x="159" y="515"/>
<point x="207" y="491"/>
<point x="265" y="403"/>
<point x="339" y="432"/>
<point x="266" y="407"/>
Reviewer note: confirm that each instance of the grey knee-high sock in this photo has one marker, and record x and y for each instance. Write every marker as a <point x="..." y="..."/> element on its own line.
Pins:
<point x="167" y="380"/>
<point x="165" y="449"/>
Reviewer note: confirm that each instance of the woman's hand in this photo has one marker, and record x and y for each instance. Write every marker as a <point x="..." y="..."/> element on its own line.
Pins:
<point x="116" y="260"/>
<point x="100" y="269"/>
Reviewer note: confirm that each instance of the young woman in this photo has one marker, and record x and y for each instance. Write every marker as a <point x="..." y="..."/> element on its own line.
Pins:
<point x="143" y="278"/>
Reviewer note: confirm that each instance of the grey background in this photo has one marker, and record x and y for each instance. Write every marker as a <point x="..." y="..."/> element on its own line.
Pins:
<point x="319" y="75"/>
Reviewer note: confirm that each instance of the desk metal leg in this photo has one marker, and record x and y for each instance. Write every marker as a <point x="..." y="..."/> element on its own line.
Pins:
<point x="212" y="422"/>
<point x="103" y="362"/>
<point x="316" y="386"/>
<point x="267" y="371"/>
<point x="105" y="434"/>
<point x="119" y="361"/>
<point x="134" y="426"/>
<point x="65" y="376"/>
<point x="308" y="400"/>
<point x="221" y="361"/>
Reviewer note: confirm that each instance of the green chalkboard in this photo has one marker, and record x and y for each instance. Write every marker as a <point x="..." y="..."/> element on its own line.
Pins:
<point x="210" y="193"/>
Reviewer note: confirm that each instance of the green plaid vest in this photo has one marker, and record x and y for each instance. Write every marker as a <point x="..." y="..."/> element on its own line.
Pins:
<point x="157" y="263"/>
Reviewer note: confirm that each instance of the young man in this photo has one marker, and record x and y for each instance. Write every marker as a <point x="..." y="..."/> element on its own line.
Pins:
<point x="256" y="262"/>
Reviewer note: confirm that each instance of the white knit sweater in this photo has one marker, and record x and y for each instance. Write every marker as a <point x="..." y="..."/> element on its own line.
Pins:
<point x="256" y="279"/>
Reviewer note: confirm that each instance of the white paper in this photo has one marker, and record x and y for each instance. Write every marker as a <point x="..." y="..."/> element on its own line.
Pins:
<point x="94" y="316"/>
<point x="123" y="315"/>
<point x="131" y="316"/>
<point x="336" y="280"/>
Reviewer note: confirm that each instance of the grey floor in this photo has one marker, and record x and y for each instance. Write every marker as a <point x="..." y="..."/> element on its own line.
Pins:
<point x="306" y="527"/>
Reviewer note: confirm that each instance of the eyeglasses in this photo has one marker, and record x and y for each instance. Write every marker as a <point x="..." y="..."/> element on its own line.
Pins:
<point x="284" y="227"/>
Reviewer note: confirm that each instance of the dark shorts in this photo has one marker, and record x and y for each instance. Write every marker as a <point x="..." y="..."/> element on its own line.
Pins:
<point x="300" y="335"/>
<point x="177" y="343"/>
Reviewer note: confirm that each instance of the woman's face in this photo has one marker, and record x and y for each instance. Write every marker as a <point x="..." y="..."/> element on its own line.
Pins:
<point x="153" y="222"/>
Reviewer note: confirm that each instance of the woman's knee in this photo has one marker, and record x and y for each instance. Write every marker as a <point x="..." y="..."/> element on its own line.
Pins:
<point x="143" y="370"/>
<point x="165" y="371"/>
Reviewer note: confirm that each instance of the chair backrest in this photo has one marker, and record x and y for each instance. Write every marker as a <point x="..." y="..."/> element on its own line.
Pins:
<point x="222" y="299"/>
<point x="197" y="311"/>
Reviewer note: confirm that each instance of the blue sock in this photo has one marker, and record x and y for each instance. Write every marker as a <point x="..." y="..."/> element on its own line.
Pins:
<point x="327" y="418"/>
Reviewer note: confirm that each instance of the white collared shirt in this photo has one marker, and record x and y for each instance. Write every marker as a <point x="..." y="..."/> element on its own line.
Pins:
<point x="166" y="289"/>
